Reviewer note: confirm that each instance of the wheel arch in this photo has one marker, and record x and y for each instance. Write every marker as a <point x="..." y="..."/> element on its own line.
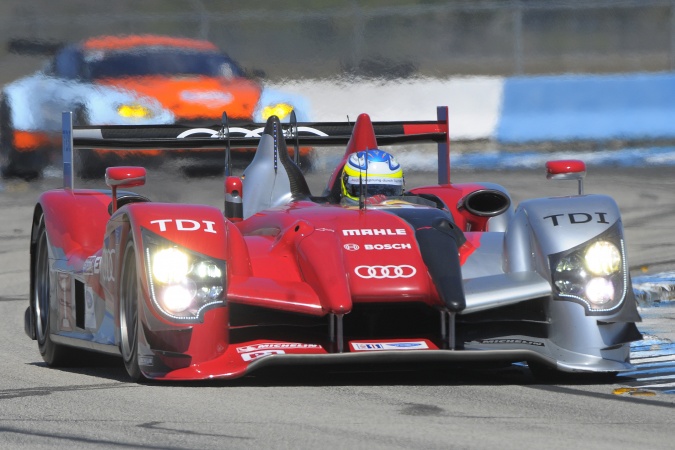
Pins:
<point x="159" y="338"/>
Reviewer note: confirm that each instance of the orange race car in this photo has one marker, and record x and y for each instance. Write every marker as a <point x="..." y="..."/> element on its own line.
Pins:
<point x="127" y="80"/>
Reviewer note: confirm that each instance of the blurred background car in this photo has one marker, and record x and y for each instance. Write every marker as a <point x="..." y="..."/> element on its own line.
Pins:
<point x="131" y="79"/>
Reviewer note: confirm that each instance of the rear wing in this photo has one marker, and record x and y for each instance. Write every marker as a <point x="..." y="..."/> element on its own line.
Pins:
<point x="34" y="47"/>
<point x="225" y="137"/>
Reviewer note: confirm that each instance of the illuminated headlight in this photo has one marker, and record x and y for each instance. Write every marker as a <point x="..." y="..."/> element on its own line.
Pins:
<point x="183" y="284"/>
<point x="134" y="111"/>
<point x="170" y="265"/>
<point x="593" y="274"/>
<point x="281" y="110"/>
<point x="602" y="258"/>
<point x="600" y="291"/>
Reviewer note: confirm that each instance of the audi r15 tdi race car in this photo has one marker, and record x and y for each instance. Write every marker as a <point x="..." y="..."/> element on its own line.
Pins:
<point x="443" y="272"/>
<point x="115" y="80"/>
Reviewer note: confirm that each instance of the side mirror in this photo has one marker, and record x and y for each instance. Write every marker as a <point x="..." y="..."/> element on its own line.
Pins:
<point x="124" y="177"/>
<point x="567" y="169"/>
<point x="257" y="74"/>
<point x="234" y="208"/>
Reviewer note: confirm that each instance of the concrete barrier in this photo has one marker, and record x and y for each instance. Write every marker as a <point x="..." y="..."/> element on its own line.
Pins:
<point x="473" y="102"/>
<point x="512" y="110"/>
<point x="587" y="108"/>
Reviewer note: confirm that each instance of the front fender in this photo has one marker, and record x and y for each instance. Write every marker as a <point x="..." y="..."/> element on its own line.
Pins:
<point x="544" y="229"/>
<point x="200" y="230"/>
<point x="197" y="228"/>
<point x="545" y="226"/>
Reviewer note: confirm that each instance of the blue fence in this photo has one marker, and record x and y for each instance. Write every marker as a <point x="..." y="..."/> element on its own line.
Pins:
<point x="587" y="108"/>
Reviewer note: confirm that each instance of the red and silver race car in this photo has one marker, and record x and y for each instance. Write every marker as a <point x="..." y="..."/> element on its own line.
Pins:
<point x="445" y="272"/>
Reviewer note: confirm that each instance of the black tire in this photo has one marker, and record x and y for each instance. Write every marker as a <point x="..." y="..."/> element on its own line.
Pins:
<point x="54" y="355"/>
<point x="15" y="164"/>
<point x="128" y="313"/>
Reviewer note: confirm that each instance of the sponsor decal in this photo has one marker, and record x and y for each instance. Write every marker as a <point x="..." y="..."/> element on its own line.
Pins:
<point x="354" y="247"/>
<point x="511" y="341"/>
<point x="89" y="310"/>
<point x="64" y="297"/>
<point x="261" y="354"/>
<point x="382" y="272"/>
<point x="243" y="132"/>
<point x="375" y="232"/>
<point x="185" y="225"/>
<point x="147" y="361"/>
<point x="88" y="266"/>
<point x="325" y="229"/>
<point x="275" y="346"/>
<point x="107" y="268"/>
<point x="376" y="180"/>
<point x="403" y="246"/>
<point x="578" y="218"/>
<point x="377" y="346"/>
<point x="217" y="97"/>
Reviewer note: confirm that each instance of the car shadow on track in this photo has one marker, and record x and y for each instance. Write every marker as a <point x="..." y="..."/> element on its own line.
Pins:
<point x="111" y="368"/>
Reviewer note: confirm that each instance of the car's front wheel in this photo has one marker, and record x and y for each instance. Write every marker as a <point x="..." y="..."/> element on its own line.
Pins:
<point x="128" y="313"/>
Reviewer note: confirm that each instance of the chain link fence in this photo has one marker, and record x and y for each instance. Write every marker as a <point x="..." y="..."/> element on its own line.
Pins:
<point x="377" y="38"/>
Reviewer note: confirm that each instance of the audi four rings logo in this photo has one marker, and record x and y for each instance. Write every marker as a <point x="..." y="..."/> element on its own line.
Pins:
<point x="381" y="272"/>
<point x="351" y="247"/>
<point x="245" y="132"/>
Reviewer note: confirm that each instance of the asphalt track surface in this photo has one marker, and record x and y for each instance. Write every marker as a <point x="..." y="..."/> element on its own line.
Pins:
<point x="413" y="407"/>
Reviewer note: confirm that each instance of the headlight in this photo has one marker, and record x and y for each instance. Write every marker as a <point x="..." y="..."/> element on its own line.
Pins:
<point x="593" y="274"/>
<point x="134" y="111"/>
<point x="602" y="258"/>
<point x="281" y="110"/>
<point x="183" y="284"/>
<point x="170" y="265"/>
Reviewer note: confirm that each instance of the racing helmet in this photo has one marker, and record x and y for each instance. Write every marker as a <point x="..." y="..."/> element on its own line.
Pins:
<point x="376" y="171"/>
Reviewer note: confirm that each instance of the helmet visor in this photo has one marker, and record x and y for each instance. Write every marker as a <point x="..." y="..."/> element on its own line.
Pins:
<point x="390" y="187"/>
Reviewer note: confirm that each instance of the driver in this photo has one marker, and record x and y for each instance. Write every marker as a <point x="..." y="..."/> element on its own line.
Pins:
<point x="375" y="174"/>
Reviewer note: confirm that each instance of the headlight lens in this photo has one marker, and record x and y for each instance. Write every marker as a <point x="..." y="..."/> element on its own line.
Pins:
<point x="134" y="111"/>
<point x="600" y="291"/>
<point x="602" y="258"/>
<point x="281" y="110"/>
<point x="183" y="284"/>
<point x="170" y="265"/>
<point x="593" y="274"/>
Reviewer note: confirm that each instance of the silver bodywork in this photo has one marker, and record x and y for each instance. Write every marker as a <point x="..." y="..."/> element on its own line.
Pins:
<point x="266" y="182"/>
<point x="513" y="265"/>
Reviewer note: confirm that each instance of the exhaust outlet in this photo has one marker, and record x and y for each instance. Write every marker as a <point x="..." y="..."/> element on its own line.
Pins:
<point x="485" y="203"/>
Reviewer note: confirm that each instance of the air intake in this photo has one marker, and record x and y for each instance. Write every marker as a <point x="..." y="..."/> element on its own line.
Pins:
<point x="485" y="203"/>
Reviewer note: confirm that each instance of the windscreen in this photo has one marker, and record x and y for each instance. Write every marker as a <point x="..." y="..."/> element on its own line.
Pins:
<point x="159" y="61"/>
